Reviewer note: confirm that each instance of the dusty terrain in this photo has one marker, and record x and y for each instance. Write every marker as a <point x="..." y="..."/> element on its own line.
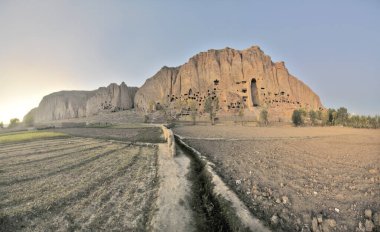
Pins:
<point x="297" y="178"/>
<point x="76" y="183"/>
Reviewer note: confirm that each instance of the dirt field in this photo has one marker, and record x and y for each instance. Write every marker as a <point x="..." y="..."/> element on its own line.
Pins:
<point x="298" y="178"/>
<point x="67" y="184"/>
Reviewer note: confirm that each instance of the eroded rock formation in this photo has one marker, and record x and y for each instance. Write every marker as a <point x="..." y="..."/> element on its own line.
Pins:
<point x="246" y="78"/>
<point x="74" y="104"/>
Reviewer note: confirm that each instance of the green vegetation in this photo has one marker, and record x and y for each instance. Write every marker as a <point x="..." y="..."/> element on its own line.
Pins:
<point x="342" y="116"/>
<point x="264" y="117"/>
<point x="1" y="125"/>
<point x="313" y="117"/>
<point x="193" y="111"/>
<point x="14" y="122"/>
<point x="333" y="117"/>
<point x="211" y="107"/>
<point x="28" y="120"/>
<point x="298" y="117"/>
<point x="28" y="135"/>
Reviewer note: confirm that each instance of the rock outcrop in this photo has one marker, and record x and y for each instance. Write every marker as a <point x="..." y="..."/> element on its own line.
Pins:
<point x="75" y="104"/>
<point x="246" y="78"/>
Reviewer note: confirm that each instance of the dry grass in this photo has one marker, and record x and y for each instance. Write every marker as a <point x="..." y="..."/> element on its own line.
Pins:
<point x="28" y="136"/>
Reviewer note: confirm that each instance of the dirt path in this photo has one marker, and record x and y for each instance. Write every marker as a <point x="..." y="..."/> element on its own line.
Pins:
<point x="174" y="212"/>
<point x="235" y="213"/>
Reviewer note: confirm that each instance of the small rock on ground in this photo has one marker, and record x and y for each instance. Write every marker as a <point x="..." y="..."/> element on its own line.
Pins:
<point x="368" y="213"/>
<point x="376" y="219"/>
<point x="369" y="226"/>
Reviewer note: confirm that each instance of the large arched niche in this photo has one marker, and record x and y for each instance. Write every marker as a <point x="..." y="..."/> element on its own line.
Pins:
<point x="254" y="93"/>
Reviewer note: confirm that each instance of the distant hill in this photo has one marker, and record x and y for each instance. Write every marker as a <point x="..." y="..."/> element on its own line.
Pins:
<point x="74" y="104"/>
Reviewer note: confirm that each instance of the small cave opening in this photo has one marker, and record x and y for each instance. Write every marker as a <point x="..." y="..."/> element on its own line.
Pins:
<point x="254" y="93"/>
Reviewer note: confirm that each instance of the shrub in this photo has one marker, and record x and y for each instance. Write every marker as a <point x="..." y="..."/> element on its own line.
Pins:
<point x="332" y="116"/>
<point x="297" y="117"/>
<point x="211" y="107"/>
<point x="342" y="116"/>
<point x="1" y="125"/>
<point x="192" y="105"/>
<point x="313" y="117"/>
<point x="264" y="117"/>
<point x="13" y="122"/>
<point x="28" y="120"/>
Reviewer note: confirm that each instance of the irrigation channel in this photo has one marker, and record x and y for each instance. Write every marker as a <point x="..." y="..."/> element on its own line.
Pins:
<point x="215" y="207"/>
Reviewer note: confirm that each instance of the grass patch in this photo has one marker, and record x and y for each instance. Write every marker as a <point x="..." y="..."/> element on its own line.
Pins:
<point x="29" y="135"/>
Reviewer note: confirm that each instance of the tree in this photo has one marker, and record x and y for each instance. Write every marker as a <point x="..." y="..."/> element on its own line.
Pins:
<point x="313" y="117"/>
<point x="324" y="117"/>
<point x="331" y="116"/>
<point x="193" y="110"/>
<point x="264" y="117"/>
<point x="211" y="107"/>
<point x="342" y="116"/>
<point x="1" y="125"/>
<point x="28" y="120"/>
<point x="13" y="122"/>
<point x="151" y="106"/>
<point x="297" y="118"/>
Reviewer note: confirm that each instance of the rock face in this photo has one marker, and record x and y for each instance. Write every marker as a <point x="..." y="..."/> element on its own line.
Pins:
<point x="246" y="78"/>
<point x="113" y="98"/>
<point x="74" y="104"/>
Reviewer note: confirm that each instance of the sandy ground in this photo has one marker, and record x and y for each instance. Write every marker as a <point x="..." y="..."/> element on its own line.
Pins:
<point x="76" y="184"/>
<point x="297" y="178"/>
<point x="172" y="209"/>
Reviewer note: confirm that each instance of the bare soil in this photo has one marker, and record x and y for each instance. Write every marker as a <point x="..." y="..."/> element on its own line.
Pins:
<point x="76" y="184"/>
<point x="296" y="175"/>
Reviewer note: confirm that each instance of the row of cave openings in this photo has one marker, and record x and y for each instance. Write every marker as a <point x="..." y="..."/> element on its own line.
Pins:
<point x="281" y="97"/>
<point x="213" y="93"/>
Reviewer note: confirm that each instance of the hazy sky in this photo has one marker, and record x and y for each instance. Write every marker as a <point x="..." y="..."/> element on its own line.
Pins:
<point x="47" y="46"/>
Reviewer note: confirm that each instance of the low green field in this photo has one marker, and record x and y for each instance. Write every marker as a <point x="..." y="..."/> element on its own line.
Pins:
<point x="28" y="135"/>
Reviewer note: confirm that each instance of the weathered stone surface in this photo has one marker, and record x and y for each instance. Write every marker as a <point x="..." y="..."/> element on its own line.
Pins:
<point x="74" y="104"/>
<point x="113" y="98"/>
<point x="237" y="77"/>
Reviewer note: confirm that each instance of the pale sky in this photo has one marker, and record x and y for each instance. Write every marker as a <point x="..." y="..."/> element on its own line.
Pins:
<point x="47" y="46"/>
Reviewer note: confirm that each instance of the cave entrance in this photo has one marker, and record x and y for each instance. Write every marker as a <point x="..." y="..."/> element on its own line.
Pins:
<point x="254" y="93"/>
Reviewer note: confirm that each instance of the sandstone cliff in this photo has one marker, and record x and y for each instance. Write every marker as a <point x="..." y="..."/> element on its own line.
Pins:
<point x="246" y="78"/>
<point x="74" y="104"/>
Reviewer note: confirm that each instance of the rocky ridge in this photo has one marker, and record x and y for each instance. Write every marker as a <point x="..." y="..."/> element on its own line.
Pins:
<point x="76" y="104"/>
<point x="239" y="78"/>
